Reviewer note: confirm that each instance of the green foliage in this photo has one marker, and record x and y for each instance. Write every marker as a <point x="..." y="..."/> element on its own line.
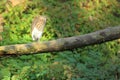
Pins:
<point x="65" y="18"/>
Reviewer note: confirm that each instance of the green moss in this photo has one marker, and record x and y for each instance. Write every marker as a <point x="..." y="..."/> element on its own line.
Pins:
<point x="65" y="18"/>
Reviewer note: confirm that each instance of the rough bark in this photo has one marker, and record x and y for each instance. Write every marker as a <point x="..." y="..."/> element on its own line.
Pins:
<point x="61" y="44"/>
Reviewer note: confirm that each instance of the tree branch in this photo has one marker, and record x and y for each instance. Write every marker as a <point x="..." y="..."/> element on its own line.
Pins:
<point x="61" y="44"/>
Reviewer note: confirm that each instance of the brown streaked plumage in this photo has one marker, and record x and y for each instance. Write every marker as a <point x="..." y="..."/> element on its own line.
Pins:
<point x="38" y="27"/>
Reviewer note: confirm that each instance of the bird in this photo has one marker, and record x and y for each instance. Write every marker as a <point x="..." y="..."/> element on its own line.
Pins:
<point x="37" y="27"/>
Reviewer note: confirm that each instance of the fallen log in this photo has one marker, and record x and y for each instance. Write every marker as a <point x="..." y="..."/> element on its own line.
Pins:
<point x="61" y="44"/>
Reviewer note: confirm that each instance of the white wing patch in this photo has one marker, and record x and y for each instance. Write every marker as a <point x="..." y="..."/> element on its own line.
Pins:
<point x="36" y="34"/>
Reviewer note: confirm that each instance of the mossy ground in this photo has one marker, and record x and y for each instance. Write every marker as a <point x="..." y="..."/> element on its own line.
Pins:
<point x="65" y="18"/>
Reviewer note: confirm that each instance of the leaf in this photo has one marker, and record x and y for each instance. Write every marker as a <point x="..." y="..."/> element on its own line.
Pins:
<point x="5" y="74"/>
